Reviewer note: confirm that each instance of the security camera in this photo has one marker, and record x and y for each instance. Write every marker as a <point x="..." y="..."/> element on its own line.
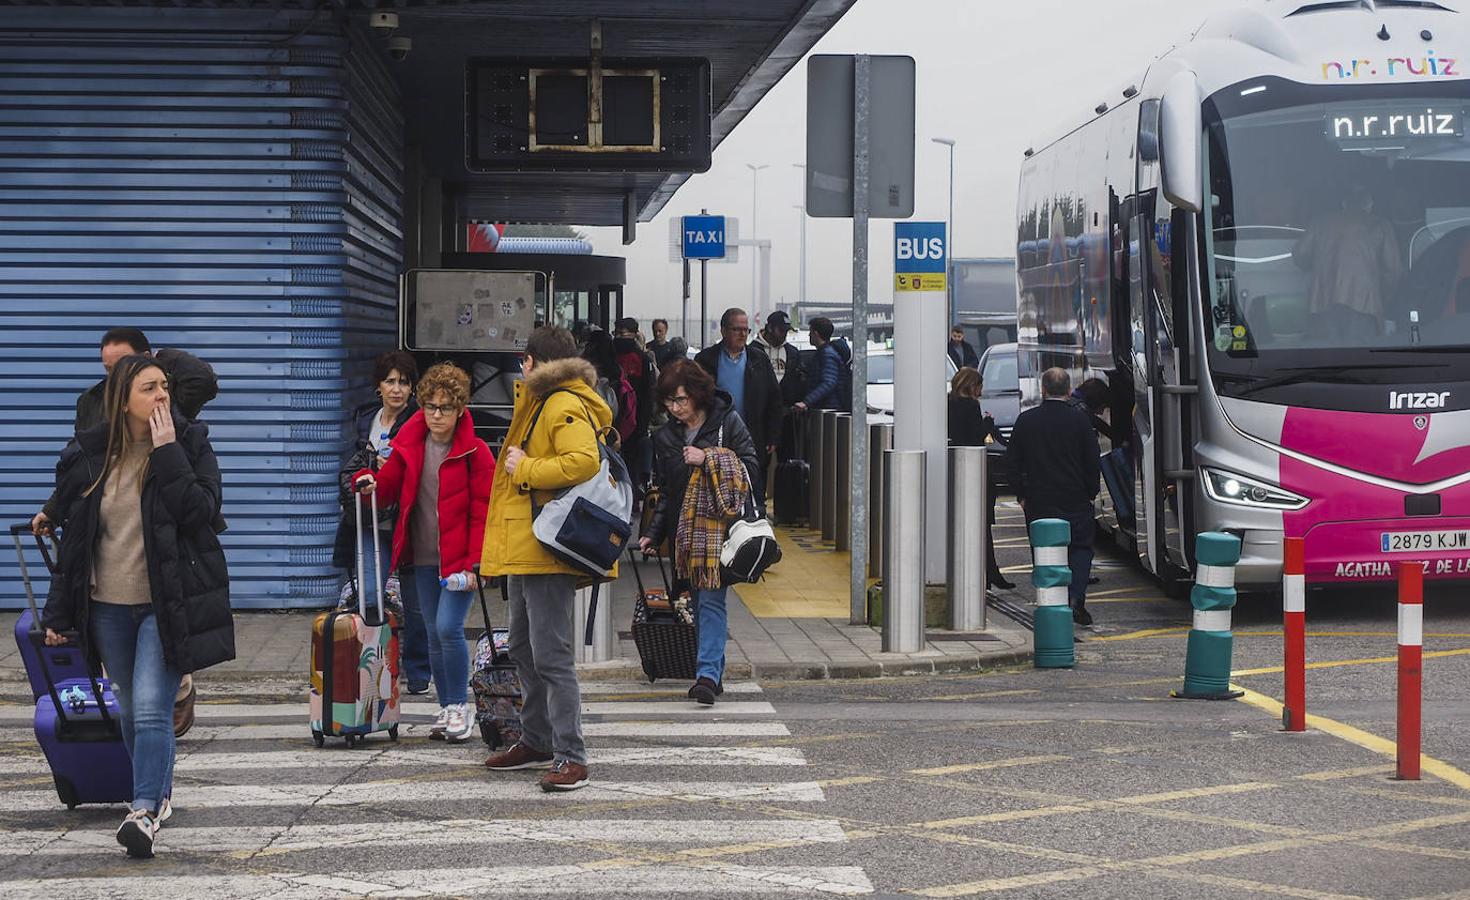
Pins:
<point x="384" y="23"/>
<point x="398" y="47"/>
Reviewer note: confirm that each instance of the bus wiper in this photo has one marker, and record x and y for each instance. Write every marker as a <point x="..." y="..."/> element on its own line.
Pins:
<point x="1339" y="374"/>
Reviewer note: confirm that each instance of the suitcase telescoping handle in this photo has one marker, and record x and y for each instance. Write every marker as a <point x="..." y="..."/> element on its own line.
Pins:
<point x="372" y="502"/>
<point x="38" y="632"/>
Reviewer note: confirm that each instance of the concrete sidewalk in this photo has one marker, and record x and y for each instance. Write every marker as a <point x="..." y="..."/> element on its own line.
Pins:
<point x="273" y="646"/>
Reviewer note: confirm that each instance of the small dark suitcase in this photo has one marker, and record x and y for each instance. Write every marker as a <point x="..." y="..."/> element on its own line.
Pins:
<point x="663" y="629"/>
<point x="792" y="492"/>
<point x="77" y="719"/>
<point x="497" y="685"/>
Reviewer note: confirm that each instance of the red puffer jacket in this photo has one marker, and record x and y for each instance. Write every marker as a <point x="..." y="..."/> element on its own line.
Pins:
<point x="465" y="478"/>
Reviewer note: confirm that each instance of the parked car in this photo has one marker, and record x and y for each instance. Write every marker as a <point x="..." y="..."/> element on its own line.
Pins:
<point x="880" y="378"/>
<point x="1000" y="398"/>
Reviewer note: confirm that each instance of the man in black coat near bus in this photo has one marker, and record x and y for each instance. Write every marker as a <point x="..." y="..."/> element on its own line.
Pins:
<point x="1054" y="461"/>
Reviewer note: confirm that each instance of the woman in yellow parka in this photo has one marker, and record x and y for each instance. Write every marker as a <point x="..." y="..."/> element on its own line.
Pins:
<point x="559" y="452"/>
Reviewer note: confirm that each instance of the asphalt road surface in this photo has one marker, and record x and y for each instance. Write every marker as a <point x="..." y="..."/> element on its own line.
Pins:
<point x="1089" y="782"/>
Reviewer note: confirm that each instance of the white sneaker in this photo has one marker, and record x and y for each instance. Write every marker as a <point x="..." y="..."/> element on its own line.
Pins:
<point x="165" y="809"/>
<point x="136" y="833"/>
<point x="460" y="724"/>
<point x="436" y="731"/>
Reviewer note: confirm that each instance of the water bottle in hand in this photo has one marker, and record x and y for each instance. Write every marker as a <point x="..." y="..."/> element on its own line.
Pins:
<point x="459" y="581"/>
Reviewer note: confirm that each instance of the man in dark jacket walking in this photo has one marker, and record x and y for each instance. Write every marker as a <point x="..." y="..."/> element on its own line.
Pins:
<point x="746" y="374"/>
<point x="1053" y="458"/>
<point x="833" y="378"/>
<point x="962" y="351"/>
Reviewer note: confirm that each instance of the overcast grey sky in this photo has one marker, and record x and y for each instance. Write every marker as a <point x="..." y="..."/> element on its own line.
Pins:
<point x="995" y="76"/>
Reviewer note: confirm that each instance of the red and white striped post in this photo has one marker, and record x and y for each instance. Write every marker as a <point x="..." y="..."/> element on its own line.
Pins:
<point x="1294" y="627"/>
<point x="1411" y="668"/>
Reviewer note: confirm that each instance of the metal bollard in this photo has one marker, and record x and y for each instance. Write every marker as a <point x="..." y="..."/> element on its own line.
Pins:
<point x="829" y="474"/>
<point x="880" y="438"/>
<point x="1052" y="637"/>
<point x="967" y="511"/>
<point x="601" y="648"/>
<point x="815" y="457"/>
<point x="903" y="575"/>
<point x="1211" y="645"/>
<point x="842" y="531"/>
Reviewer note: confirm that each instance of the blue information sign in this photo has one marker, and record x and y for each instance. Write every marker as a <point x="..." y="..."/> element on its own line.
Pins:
<point x="919" y="256"/>
<point x="704" y="237"/>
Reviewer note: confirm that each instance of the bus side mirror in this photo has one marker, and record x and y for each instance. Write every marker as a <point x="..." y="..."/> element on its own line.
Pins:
<point x="1180" y="128"/>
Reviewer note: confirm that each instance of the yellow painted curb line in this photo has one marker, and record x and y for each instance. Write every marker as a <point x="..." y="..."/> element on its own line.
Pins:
<point x="1372" y="742"/>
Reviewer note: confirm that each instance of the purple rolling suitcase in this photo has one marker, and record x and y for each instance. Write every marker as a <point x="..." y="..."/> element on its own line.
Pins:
<point x="77" y="722"/>
<point x="67" y="663"/>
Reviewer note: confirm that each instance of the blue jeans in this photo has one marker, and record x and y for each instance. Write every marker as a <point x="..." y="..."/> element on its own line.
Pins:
<point x="413" y="640"/>
<point x="713" y="622"/>
<point x="443" y="612"/>
<point x="126" y="637"/>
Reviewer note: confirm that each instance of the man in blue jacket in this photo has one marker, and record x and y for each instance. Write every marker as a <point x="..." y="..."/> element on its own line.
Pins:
<point x="833" y="378"/>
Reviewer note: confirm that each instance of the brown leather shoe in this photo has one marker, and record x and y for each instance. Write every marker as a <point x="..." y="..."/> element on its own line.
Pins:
<point x="564" y="776"/>
<point x="184" y="712"/>
<point x="519" y="756"/>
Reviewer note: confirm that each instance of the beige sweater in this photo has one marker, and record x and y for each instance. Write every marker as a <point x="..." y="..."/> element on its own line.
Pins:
<point x="119" y="565"/>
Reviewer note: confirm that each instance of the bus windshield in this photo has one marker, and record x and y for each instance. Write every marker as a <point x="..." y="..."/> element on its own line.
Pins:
<point x="1338" y="225"/>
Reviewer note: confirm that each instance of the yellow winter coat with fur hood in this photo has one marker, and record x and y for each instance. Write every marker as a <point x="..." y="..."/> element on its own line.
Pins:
<point x="562" y="452"/>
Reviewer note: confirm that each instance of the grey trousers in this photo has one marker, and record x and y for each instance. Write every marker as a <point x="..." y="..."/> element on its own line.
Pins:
<point x="541" y="644"/>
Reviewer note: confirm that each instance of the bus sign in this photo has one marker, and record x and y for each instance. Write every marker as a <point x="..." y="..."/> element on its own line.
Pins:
<point x="919" y="256"/>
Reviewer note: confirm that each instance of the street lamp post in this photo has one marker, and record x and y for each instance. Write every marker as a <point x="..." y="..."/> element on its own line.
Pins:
<point x="801" y="293"/>
<point x="755" y="286"/>
<point x="949" y="224"/>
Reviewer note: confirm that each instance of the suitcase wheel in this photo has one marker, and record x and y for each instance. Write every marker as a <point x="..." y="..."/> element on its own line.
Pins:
<point x="351" y="741"/>
<point x="317" y="738"/>
<point x="393" y="732"/>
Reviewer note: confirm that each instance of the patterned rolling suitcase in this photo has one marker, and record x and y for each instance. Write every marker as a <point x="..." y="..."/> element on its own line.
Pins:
<point x="497" y="685"/>
<point x="355" y="663"/>
<point x="77" y="720"/>
<point x="663" y="629"/>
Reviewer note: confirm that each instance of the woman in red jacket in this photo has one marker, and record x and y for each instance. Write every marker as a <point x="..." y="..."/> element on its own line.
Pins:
<point x="439" y="473"/>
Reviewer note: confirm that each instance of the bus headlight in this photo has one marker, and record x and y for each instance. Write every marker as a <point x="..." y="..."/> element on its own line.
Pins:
<point x="1228" y="487"/>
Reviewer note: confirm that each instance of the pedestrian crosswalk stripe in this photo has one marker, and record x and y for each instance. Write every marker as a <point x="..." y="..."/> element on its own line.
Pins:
<point x="679" y="689"/>
<point x="684" y="708"/>
<point x="717" y="879"/>
<point x="279" y="839"/>
<point x="665" y="729"/>
<point x="254" y="711"/>
<point x="517" y="787"/>
<point x="429" y="755"/>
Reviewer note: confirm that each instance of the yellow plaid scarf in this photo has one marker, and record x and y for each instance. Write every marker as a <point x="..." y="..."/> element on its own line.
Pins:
<point x="714" y="498"/>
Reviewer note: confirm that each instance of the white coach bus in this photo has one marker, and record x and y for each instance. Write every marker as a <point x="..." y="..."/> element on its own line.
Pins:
<point x="1262" y="247"/>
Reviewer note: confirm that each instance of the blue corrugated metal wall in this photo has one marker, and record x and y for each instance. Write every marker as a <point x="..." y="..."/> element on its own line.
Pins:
<point x="230" y="182"/>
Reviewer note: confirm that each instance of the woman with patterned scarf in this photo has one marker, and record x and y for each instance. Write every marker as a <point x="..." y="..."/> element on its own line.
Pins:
<point x="704" y="461"/>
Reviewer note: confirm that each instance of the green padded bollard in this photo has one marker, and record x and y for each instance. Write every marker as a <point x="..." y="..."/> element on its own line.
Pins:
<point x="1053" y="645"/>
<point x="1208" y="654"/>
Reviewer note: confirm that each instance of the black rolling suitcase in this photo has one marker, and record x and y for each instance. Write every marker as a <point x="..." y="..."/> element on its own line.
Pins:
<point x="663" y="629"/>
<point x="793" y="491"/>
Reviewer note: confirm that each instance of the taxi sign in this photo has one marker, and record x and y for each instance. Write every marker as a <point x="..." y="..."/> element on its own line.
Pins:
<point x="920" y="257"/>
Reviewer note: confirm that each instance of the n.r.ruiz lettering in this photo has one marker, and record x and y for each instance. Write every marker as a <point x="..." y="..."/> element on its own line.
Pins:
<point x="1396" y="67"/>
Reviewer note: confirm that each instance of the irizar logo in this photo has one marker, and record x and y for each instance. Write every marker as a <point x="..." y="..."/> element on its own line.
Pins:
<point x="1418" y="399"/>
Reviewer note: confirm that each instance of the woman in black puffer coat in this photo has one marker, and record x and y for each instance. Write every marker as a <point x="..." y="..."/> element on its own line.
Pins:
<point x="140" y="575"/>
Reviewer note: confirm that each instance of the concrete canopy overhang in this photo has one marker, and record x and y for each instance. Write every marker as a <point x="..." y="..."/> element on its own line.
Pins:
<point x="750" y="45"/>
